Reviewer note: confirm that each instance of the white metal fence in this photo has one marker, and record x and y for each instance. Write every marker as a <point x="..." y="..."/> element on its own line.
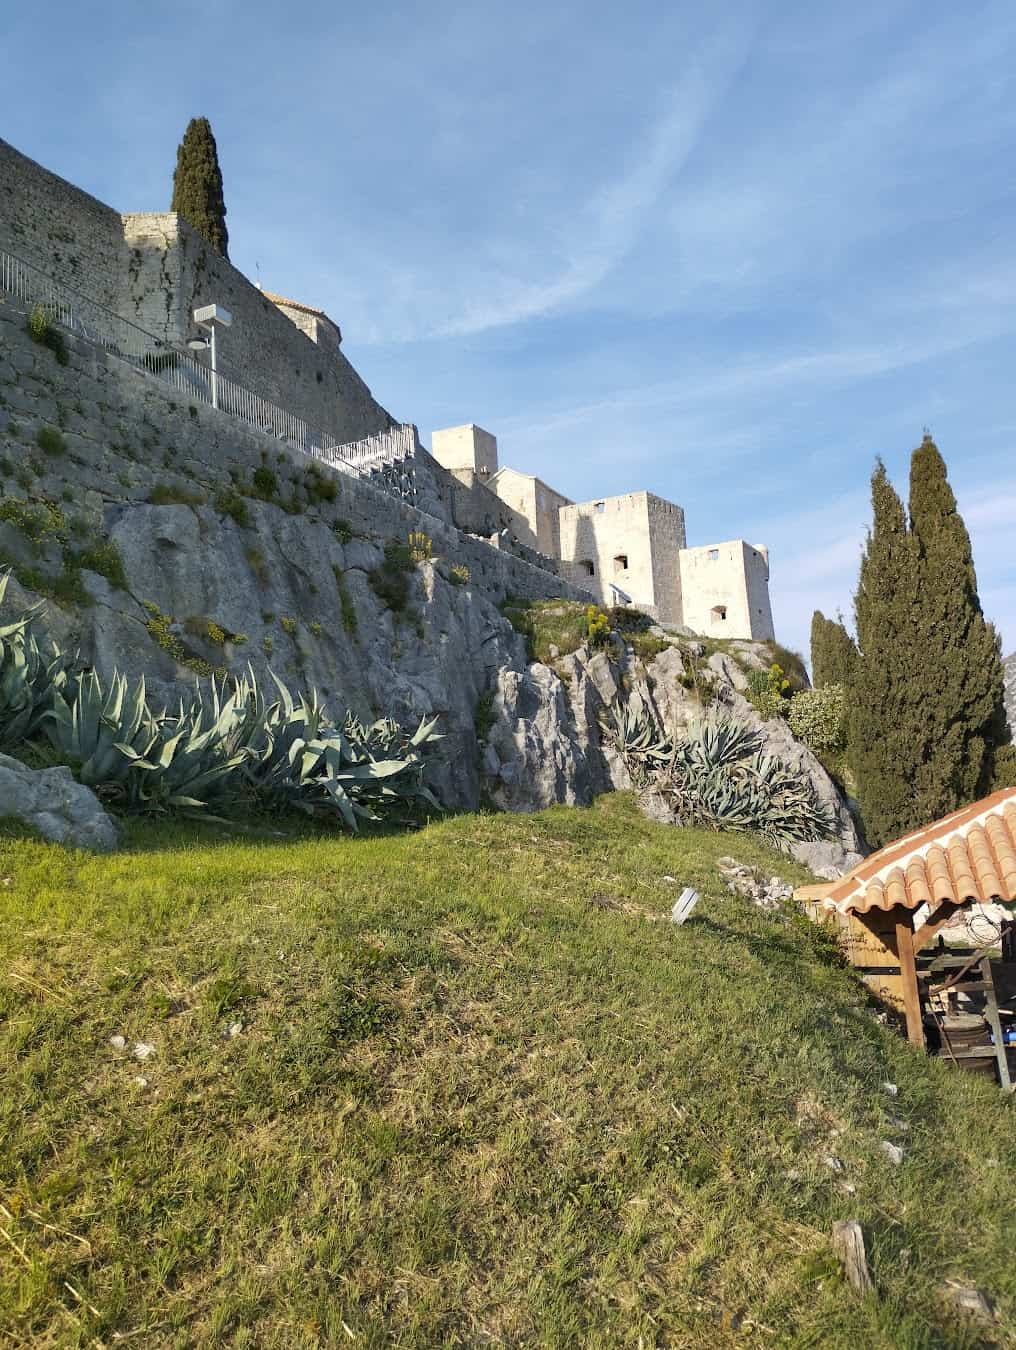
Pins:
<point x="386" y="459"/>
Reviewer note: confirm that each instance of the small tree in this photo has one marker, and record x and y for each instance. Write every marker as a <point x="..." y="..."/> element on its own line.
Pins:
<point x="882" y="752"/>
<point x="833" y="652"/>
<point x="197" y="185"/>
<point x="958" y="688"/>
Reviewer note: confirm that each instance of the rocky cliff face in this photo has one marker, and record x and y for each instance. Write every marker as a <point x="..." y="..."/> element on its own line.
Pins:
<point x="169" y="541"/>
<point x="545" y="744"/>
<point x="1010" y="691"/>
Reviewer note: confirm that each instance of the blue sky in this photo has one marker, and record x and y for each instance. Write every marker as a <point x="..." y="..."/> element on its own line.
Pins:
<point x="729" y="253"/>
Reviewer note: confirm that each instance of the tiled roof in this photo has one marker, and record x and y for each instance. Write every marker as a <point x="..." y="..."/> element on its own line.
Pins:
<point x="294" y="304"/>
<point x="967" y="857"/>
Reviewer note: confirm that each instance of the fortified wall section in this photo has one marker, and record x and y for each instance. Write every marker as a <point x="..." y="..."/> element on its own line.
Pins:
<point x="155" y="269"/>
<point x="666" y="539"/>
<point x="726" y="590"/>
<point x="632" y="542"/>
<point x="132" y="438"/>
<point x="60" y="229"/>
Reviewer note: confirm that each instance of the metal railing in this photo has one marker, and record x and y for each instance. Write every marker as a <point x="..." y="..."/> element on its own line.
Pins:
<point x="384" y="459"/>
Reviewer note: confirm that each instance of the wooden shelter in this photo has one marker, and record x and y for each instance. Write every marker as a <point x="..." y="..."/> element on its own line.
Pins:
<point x="894" y="904"/>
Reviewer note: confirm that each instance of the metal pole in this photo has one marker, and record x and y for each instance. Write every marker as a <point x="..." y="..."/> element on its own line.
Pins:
<point x="215" y="378"/>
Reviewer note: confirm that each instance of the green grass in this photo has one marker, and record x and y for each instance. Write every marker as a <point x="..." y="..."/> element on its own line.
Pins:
<point x="482" y="1092"/>
<point x="548" y="623"/>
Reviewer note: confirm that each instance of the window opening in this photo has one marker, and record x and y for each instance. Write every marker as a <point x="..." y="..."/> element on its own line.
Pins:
<point x="621" y="562"/>
<point x="719" y="613"/>
<point x="587" y="567"/>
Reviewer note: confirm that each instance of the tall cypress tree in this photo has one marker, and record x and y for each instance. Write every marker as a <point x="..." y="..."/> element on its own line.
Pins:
<point x="833" y="652"/>
<point x="197" y="184"/>
<point x="958" y="686"/>
<point x="882" y="753"/>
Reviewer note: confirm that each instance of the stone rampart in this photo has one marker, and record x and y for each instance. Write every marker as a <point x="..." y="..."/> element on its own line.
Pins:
<point x="154" y="269"/>
<point x="129" y="434"/>
<point x="58" y="228"/>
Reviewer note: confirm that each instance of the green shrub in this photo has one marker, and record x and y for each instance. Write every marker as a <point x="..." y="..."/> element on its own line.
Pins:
<point x="627" y="620"/>
<point x="819" y="718"/>
<point x="207" y="630"/>
<point x="792" y="665"/>
<point x="49" y="440"/>
<point x="38" y="523"/>
<point x="106" y="559"/>
<point x="266" y="484"/>
<point x="343" y="530"/>
<point x="391" y="580"/>
<point x="597" y="626"/>
<point x="288" y="625"/>
<point x="458" y="574"/>
<point x="483" y="715"/>
<point x="315" y="627"/>
<point x="320" y="486"/>
<point x="346" y="606"/>
<point x="168" y="494"/>
<point x="228" y="502"/>
<point x="42" y="329"/>
<point x="258" y="566"/>
<point x="769" y="691"/>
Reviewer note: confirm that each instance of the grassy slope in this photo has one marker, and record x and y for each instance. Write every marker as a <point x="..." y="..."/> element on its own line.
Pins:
<point x="483" y="1092"/>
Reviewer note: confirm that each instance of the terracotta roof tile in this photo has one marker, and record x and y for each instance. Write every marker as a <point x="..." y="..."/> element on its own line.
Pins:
<point x="965" y="857"/>
<point x="294" y="304"/>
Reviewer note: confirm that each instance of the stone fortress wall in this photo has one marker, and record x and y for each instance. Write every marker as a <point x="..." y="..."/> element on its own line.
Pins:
<point x="154" y="269"/>
<point x="633" y="545"/>
<point x="726" y="589"/>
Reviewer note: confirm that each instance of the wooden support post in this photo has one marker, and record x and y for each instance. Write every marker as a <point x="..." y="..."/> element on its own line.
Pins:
<point x="908" y="974"/>
<point x="992" y="1019"/>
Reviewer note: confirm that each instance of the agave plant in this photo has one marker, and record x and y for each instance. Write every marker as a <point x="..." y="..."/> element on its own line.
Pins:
<point x="192" y="759"/>
<point x="29" y="680"/>
<point x="99" y="731"/>
<point x="631" y="729"/>
<point x="718" y="775"/>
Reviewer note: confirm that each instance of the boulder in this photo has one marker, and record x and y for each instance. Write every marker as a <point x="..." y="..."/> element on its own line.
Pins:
<point x="52" y="802"/>
<point x="826" y="858"/>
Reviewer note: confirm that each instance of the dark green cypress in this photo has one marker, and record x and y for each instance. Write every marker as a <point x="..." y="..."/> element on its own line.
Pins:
<point x="882" y="698"/>
<point x="958" y="715"/>
<point x="833" y="652"/>
<point x="197" y="185"/>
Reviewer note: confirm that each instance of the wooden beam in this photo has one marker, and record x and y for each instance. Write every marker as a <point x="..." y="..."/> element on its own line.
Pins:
<point x="908" y="972"/>
<point x="929" y="930"/>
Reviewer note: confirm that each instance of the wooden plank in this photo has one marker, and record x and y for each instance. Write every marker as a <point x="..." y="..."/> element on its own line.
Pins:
<point x="936" y="921"/>
<point x="992" y="1018"/>
<point x="848" y="1245"/>
<point x="908" y="974"/>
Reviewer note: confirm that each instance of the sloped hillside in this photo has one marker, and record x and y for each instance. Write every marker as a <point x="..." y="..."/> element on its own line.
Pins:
<point x="468" y="1086"/>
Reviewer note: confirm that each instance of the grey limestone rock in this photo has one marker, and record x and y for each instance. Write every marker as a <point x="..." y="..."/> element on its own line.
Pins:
<point x="826" y="858"/>
<point x="1009" y="669"/>
<point x="54" y="804"/>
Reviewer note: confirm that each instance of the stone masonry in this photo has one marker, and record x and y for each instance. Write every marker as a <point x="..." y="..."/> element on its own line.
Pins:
<point x="629" y="549"/>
